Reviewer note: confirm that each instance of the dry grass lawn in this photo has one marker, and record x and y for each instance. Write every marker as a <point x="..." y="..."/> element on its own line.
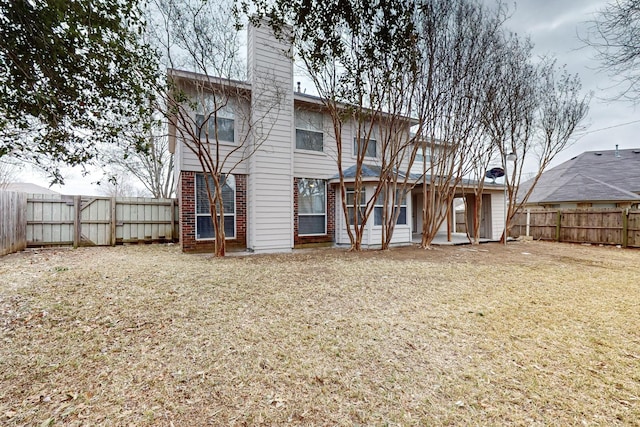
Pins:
<point x="532" y="334"/>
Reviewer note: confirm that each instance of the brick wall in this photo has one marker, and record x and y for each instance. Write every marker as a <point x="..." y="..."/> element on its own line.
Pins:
<point x="187" y="198"/>
<point x="331" y="203"/>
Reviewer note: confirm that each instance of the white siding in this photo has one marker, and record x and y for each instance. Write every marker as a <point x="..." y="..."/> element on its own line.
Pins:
<point x="270" y="186"/>
<point x="311" y="164"/>
<point x="372" y="236"/>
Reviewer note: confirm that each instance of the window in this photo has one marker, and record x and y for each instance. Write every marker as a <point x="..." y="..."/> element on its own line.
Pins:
<point x="379" y="207"/>
<point x="312" y="207"/>
<point x="222" y="120"/>
<point x="402" y="205"/>
<point x="422" y="159"/>
<point x="361" y="206"/>
<point x="371" y="149"/>
<point x="309" y="134"/>
<point x="204" y="226"/>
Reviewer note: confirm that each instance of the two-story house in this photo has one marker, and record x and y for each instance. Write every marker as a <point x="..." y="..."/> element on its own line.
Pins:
<point x="279" y="150"/>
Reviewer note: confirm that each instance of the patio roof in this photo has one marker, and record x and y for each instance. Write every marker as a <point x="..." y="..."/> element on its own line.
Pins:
<point x="372" y="173"/>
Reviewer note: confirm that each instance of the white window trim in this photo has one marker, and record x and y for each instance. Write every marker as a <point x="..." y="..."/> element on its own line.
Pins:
<point x="310" y="152"/>
<point x="326" y="232"/>
<point x="308" y="129"/>
<point x="235" y="208"/>
<point x="376" y="205"/>
<point x="406" y="211"/>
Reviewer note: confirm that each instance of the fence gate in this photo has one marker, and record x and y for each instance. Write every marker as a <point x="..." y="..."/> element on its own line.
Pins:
<point x="99" y="221"/>
<point x="96" y="217"/>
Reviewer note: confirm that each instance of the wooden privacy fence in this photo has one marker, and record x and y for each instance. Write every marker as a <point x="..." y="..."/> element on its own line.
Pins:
<point x="600" y="226"/>
<point x="13" y="222"/>
<point x="54" y="220"/>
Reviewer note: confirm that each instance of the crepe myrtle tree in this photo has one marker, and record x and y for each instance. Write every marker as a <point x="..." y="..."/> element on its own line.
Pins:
<point x="360" y="56"/>
<point x="73" y="75"/>
<point x="456" y="39"/>
<point x="533" y="111"/>
<point x="615" y="35"/>
<point x="201" y="38"/>
<point x="482" y="156"/>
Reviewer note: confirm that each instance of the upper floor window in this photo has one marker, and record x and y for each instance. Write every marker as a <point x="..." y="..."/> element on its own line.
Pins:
<point x="422" y="161"/>
<point x="423" y="157"/>
<point x="369" y="147"/>
<point x="309" y="134"/>
<point x="222" y="121"/>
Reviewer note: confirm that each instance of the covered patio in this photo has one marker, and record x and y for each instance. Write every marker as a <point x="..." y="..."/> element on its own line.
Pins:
<point x="456" y="239"/>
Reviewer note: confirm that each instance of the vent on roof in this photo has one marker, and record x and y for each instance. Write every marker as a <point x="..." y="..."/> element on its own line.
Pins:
<point x="597" y="154"/>
<point x="636" y="151"/>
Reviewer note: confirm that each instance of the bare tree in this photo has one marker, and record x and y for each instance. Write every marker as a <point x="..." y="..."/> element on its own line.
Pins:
<point x="201" y="37"/>
<point x="360" y="56"/>
<point x="118" y="185"/>
<point x="615" y="35"/>
<point x="561" y="109"/>
<point x="533" y="111"/>
<point x="8" y="171"/>
<point x="482" y="155"/>
<point x="151" y="166"/>
<point x="456" y="39"/>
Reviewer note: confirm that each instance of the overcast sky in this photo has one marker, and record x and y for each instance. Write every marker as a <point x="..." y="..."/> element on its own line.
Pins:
<point x="555" y="27"/>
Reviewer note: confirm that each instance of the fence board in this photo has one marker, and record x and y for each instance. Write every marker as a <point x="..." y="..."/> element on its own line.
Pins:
<point x="633" y="233"/>
<point x="13" y="223"/>
<point x="51" y="220"/>
<point x="598" y="226"/>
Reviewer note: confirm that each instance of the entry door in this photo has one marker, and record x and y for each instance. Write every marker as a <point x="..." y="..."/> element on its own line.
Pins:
<point x="485" y="217"/>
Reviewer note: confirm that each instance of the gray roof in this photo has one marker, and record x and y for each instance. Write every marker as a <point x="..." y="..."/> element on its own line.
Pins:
<point x="593" y="176"/>
<point x="373" y="171"/>
<point x="27" y="187"/>
<point x="368" y="171"/>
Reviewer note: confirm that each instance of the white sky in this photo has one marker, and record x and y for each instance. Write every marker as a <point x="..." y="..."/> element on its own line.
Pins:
<point x="554" y="27"/>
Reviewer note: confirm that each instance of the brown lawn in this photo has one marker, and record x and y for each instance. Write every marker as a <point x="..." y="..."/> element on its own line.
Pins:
<point x="531" y="334"/>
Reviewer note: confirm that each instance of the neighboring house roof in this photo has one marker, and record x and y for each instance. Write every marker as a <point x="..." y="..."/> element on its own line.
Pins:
<point x="593" y="176"/>
<point x="27" y="187"/>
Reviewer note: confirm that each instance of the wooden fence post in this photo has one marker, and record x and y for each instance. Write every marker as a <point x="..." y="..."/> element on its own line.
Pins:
<point x="113" y="221"/>
<point x="625" y="228"/>
<point x="528" y="222"/>
<point x="76" y="222"/>
<point x="558" y="220"/>
<point x="173" y="220"/>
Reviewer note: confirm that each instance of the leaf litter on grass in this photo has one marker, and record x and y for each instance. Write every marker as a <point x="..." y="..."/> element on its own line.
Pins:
<point x="146" y="335"/>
